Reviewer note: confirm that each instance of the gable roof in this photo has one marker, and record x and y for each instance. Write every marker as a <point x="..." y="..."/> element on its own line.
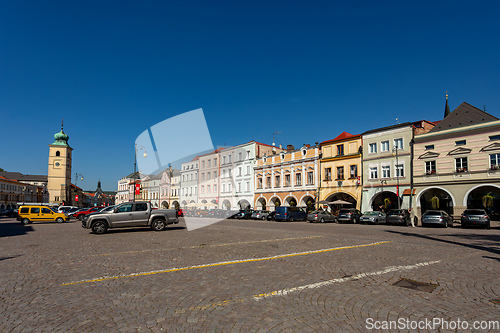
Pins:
<point x="464" y="115"/>
<point x="342" y="136"/>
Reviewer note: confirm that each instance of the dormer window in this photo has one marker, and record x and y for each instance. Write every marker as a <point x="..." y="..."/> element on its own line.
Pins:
<point x="282" y="155"/>
<point x="460" y="143"/>
<point x="429" y="147"/>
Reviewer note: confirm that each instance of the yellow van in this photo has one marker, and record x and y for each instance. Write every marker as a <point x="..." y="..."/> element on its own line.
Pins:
<point x="29" y="214"/>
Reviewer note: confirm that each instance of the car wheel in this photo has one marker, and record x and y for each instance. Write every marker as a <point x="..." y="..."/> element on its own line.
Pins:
<point x="59" y="220"/>
<point x="158" y="225"/>
<point x="80" y="217"/>
<point x="25" y="221"/>
<point x="290" y="219"/>
<point x="322" y="220"/>
<point x="99" y="227"/>
<point x="263" y="218"/>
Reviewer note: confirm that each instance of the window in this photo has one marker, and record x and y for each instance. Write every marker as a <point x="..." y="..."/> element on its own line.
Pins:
<point x="202" y="164"/>
<point x="494" y="137"/>
<point x="277" y="181"/>
<point x="248" y="154"/>
<point x="384" y="146"/>
<point x="287" y="180"/>
<point x="215" y="161"/>
<point x="229" y="159"/>
<point x="461" y="164"/>
<point x="124" y="208"/>
<point x="386" y="171"/>
<point x="372" y="148"/>
<point x="340" y="149"/>
<point x="373" y="172"/>
<point x="229" y="187"/>
<point x="340" y="172"/>
<point x="248" y="186"/>
<point x="398" y="143"/>
<point x="239" y="186"/>
<point x="429" y="147"/>
<point x="223" y="160"/>
<point x="495" y="161"/>
<point x="215" y="188"/>
<point x="203" y="176"/>
<point x="259" y="182"/>
<point x="460" y="143"/>
<point x="328" y="173"/>
<point x="202" y="188"/>
<point x="399" y="170"/>
<point x="353" y="171"/>
<point x="223" y="188"/>
<point x="208" y="175"/>
<point x="45" y="210"/>
<point x="58" y="153"/>
<point x="298" y="179"/>
<point x="268" y="182"/>
<point x="139" y="207"/>
<point x="248" y="169"/>
<point x="310" y="178"/>
<point x="240" y="157"/>
<point x="208" y="188"/>
<point x="215" y="174"/>
<point x="208" y="164"/>
<point x="239" y="171"/>
<point x="430" y="167"/>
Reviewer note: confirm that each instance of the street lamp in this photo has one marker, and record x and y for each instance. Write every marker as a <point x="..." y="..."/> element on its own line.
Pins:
<point x="396" y="147"/>
<point x="135" y="164"/>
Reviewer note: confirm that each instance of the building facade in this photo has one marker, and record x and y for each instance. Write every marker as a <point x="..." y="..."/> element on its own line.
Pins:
<point x="387" y="165"/>
<point x="341" y="171"/>
<point x="59" y="169"/>
<point x="288" y="178"/>
<point x="189" y="183"/>
<point x="457" y="163"/>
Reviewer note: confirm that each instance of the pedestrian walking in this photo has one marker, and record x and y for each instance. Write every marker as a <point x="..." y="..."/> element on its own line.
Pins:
<point x="412" y="217"/>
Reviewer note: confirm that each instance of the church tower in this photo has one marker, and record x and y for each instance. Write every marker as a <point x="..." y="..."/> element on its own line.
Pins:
<point x="59" y="175"/>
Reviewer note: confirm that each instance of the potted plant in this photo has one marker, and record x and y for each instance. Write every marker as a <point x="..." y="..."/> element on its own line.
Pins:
<point x="435" y="202"/>
<point x="487" y="200"/>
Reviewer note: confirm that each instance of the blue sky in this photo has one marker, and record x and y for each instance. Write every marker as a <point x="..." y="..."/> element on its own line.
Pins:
<point x="309" y="70"/>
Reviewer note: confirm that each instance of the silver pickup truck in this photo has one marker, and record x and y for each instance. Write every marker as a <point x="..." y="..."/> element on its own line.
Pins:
<point x="131" y="214"/>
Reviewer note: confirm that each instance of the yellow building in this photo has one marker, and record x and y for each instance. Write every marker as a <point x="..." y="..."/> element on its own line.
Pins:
<point x="341" y="171"/>
<point x="59" y="172"/>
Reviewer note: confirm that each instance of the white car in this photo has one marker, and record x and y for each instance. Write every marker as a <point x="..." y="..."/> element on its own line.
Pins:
<point x="65" y="209"/>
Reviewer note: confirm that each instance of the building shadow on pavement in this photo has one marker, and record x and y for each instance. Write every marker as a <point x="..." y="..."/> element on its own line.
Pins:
<point x="488" y="243"/>
<point x="9" y="229"/>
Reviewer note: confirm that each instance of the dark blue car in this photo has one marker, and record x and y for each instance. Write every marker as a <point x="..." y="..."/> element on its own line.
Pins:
<point x="290" y="214"/>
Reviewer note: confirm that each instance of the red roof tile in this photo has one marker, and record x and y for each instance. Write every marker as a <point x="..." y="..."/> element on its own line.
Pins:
<point x="342" y="136"/>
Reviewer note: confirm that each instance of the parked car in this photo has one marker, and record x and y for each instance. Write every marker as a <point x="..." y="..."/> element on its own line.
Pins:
<point x="130" y="214"/>
<point x="65" y="209"/>
<point x="31" y="213"/>
<point x="349" y="215"/>
<point x="259" y="214"/>
<point x="80" y="214"/>
<point x="271" y="216"/>
<point x="439" y="217"/>
<point x="290" y="214"/>
<point x="9" y="213"/>
<point x="244" y="214"/>
<point x="373" y="217"/>
<point x="180" y="212"/>
<point x="231" y="214"/>
<point x="321" y="216"/>
<point x="475" y="217"/>
<point x="72" y="213"/>
<point x="399" y="216"/>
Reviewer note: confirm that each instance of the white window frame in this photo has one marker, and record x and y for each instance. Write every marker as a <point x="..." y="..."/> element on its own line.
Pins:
<point x="372" y="148"/>
<point x="384" y="149"/>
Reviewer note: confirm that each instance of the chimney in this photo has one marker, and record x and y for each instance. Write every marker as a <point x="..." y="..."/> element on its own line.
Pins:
<point x="290" y="147"/>
<point x="281" y="147"/>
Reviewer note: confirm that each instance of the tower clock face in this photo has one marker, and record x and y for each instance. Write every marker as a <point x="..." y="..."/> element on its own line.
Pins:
<point x="57" y="164"/>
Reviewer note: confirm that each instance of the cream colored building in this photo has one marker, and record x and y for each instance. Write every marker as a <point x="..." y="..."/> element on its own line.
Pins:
<point x="288" y="178"/>
<point x="59" y="170"/>
<point x="458" y="162"/>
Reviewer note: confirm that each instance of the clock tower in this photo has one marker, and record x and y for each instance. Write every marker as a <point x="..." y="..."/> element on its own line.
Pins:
<point x="59" y="175"/>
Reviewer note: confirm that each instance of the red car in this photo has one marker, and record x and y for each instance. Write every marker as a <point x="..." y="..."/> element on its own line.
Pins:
<point x="81" y="214"/>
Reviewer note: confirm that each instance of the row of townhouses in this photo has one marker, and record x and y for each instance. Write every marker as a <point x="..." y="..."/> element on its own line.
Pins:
<point x="450" y="164"/>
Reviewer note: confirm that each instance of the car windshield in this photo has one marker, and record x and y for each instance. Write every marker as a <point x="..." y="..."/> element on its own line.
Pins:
<point x="54" y="209"/>
<point x="474" y="212"/>
<point x="370" y="213"/>
<point x="318" y="212"/>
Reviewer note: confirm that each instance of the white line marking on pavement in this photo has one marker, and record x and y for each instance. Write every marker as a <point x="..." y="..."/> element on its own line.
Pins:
<point x="386" y="270"/>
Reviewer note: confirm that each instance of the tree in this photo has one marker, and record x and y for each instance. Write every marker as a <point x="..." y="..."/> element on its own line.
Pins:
<point x="2" y="170"/>
<point x="435" y="202"/>
<point x="488" y="200"/>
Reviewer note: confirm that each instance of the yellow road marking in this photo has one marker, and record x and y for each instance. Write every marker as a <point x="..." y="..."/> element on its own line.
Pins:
<point x="213" y="245"/>
<point x="224" y="263"/>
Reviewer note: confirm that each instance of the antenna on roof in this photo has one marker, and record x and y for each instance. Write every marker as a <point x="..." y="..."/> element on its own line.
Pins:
<point x="484" y="108"/>
<point x="274" y="145"/>
<point x="397" y="120"/>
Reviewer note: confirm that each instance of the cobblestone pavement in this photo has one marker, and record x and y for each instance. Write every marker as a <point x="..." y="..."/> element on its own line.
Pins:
<point x="244" y="276"/>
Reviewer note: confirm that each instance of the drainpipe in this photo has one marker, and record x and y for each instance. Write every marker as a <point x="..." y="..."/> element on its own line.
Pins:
<point x="411" y="165"/>
<point x="320" y="155"/>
